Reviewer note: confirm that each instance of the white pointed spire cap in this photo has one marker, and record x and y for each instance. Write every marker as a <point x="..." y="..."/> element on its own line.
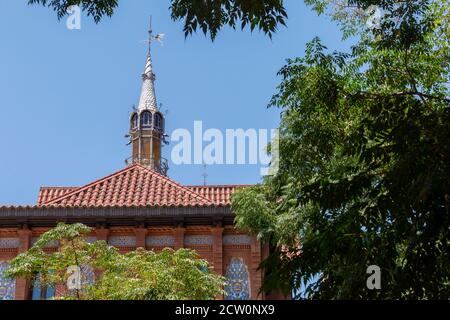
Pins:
<point x="148" y="97"/>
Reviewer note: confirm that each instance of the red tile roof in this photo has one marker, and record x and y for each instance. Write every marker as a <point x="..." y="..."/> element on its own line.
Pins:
<point x="48" y="193"/>
<point x="136" y="185"/>
<point x="217" y="194"/>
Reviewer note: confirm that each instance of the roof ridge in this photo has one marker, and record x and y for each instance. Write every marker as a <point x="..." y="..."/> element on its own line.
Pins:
<point x="89" y="185"/>
<point x="59" y="187"/>
<point x="176" y="183"/>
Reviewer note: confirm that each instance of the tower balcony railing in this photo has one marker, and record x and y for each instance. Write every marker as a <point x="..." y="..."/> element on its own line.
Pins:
<point x="162" y="167"/>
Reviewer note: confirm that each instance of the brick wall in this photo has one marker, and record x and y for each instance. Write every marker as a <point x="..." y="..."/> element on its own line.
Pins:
<point x="217" y="244"/>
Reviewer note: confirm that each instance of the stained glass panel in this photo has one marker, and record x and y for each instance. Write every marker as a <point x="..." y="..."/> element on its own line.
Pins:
<point x="237" y="286"/>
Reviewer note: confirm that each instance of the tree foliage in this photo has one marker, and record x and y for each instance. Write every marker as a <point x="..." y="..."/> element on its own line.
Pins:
<point x="206" y="15"/>
<point x="137" y="275"/>
<point x="364" y="169"/>
<point x="94" y="8"/>
<point x="210" y="16"/>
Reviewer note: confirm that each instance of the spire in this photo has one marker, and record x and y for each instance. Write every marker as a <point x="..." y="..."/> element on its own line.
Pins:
<point x="148" y="97"/>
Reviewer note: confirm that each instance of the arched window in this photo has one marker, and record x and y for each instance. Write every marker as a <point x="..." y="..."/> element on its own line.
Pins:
<point x="7" y="286"/>
<point x="146" y="119"/>
<point x="158" y="121"/>
<point x="134" y="121"/>
<point x="237" y="285"/>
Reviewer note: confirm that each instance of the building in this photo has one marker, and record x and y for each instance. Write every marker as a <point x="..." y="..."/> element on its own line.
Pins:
<point x="139" y="206"/>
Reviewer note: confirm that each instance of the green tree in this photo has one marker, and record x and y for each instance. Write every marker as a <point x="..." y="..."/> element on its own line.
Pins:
<point x="137" y="275"/>
<point x="364" y="168"/>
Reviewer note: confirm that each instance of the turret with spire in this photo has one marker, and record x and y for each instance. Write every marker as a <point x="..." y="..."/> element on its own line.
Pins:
<point x="147" y="122"/>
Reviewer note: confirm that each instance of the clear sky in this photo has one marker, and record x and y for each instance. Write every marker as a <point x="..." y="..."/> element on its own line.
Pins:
<point x="65" y="95"/>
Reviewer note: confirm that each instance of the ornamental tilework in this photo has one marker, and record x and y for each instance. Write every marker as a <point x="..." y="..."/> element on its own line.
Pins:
<point x="7" y="243"/>
<point x="122" y="241"/>
<point x="237" y="239"/>
<point x="7" y="286"/>
<point x="198" y="240"/>
<point x="159" y="241"/>
<point x="237" y="286"/>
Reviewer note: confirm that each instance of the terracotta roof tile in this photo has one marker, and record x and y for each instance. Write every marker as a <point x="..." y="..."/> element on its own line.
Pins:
<point x="48" y="193"/>
<point x="220" y="194"/>
<point x="134" y="186"/>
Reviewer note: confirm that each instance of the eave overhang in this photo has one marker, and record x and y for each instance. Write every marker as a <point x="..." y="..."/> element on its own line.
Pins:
<point x="116" y="216"/>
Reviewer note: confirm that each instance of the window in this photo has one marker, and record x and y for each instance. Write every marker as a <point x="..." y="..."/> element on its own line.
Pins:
<point x="134" y="121"/>
<point x="237" y="286"/>
<point x="39" y="291"/>
<point x="7" y="286"/>
<point x="146" y="119"/>
<point x="158" y="121"/>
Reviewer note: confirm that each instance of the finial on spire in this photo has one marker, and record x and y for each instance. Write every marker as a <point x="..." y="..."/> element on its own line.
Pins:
<point x="150" y="31"/>
<point x="159" y="37"/>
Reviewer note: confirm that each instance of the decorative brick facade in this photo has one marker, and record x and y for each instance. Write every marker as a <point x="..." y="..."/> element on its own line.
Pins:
<point x="137" y="207"/>
<point x="206" y="240"/>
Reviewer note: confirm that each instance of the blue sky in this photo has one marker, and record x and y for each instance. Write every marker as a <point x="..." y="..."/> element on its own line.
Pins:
<point x="65" y="95"/>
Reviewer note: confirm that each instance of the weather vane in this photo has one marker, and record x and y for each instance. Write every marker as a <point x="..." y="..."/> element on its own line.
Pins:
<point x="158" y="37"/>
